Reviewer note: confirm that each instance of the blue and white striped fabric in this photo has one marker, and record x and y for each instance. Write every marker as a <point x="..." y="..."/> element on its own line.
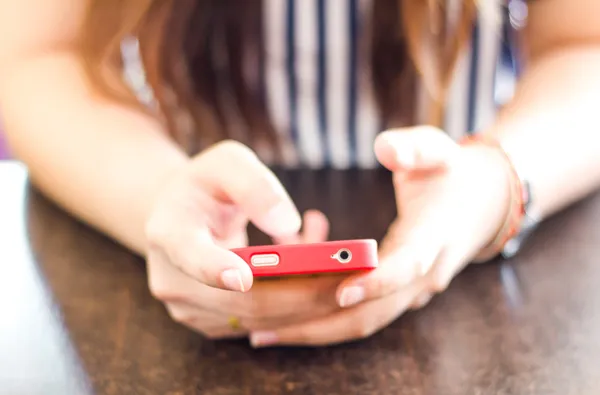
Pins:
<point x="318" y="90"/>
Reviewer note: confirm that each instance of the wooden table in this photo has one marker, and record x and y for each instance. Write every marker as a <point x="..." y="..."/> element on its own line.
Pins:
<point x="77" y="317"/>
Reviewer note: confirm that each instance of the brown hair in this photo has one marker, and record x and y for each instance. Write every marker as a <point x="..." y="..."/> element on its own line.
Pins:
<point x="178" y="39"/>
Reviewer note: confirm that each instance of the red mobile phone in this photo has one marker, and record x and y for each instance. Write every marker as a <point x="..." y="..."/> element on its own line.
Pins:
<point x="316" y="258"/>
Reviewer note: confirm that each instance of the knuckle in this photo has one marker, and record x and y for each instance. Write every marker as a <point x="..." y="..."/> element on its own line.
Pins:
<point x="234" y="149"/>
<point x="440" y="280"/>
<point x="425" y="300"/>
<point x="363" y="329"/>
<point x="160" y="287"/>
<point x="438" y="285"/>
<point x="363" y="326"/>
<point x="157" y="290"/>
<point x="182" y="316"/>
<point x="162" y="291"/>
<point x="421" y="300"/>
<point x="155" y="231"/>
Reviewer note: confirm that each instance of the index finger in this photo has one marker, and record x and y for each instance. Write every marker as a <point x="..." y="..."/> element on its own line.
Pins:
<point x="186" y="243"/>
<point x="231" y="171"/>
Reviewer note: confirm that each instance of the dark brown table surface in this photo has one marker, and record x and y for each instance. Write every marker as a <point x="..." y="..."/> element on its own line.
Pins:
<point x="77" y="318"/>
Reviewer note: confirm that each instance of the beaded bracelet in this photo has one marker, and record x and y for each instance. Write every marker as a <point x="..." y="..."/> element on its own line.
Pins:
<point x="516" y="211"/>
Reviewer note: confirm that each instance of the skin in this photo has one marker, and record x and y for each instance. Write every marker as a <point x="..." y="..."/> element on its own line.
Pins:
<point x="156" y="201"/>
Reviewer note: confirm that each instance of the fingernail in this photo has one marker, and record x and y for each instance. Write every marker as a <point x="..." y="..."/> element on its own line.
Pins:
<point x="282" y="220"/>
<point x="262" y="339"/>
<point x="232" y="279"/>
<point x="352" y="295"/>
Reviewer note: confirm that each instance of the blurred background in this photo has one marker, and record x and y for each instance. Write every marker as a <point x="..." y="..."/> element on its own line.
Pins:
<point x="506" y="76"/>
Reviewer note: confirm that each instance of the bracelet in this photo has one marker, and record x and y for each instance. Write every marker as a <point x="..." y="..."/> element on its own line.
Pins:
<point x="518" y="197"/>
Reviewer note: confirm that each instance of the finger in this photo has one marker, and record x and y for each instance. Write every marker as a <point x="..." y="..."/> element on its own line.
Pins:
<point x="218" y="325"/>
<point x="445" y="270"/>
<point x="233" y="172"/>
<point x="316" y="227"/>
<point x="419" y="148"/>
<point x="352" y="324"/>
<point x="315" y="230"/>
<point x="421" y="301"/>
<point x="194" y="253"/>
<point x="226" y="221"/>
<point x="210" y="324"/>
<point x="284" y="299"/>
<point x="407" y="253"/>
<point x="395" y="271"/>
<point x="297" y="299"/>
<point x="228" y="225"/>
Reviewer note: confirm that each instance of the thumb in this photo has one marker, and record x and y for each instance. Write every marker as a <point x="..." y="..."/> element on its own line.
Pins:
<point x="407" y="254"/>
<point x="421" y="148"/>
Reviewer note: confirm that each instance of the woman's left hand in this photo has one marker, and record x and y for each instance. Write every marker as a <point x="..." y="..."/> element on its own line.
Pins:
<point x="451" y="202"/>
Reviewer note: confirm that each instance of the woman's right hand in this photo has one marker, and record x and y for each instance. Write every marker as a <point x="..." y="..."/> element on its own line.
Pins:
<point x="201" y="213"/>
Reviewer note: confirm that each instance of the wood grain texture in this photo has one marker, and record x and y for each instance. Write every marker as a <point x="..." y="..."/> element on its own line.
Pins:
<point x="81" y="319"/>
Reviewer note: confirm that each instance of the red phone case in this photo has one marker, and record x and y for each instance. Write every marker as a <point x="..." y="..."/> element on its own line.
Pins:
<point x="300" y="259"/>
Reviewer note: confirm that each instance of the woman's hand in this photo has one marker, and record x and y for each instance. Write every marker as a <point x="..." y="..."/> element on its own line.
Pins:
<point x="451" y="201"/>
<point x="201" y="213"/>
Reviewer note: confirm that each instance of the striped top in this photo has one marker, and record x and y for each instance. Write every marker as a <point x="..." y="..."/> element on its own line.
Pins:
<point x="318" y="91"/>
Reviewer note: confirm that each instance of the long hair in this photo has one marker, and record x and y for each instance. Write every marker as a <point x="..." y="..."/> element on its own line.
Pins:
<point x="194" y="51"/>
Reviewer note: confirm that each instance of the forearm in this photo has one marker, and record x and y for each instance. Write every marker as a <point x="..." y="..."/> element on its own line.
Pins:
<point x="551" y="129"/>
<point x="102" y="162"/>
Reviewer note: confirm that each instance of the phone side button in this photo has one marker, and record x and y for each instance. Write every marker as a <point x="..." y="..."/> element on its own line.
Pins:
<point x="261" y="260"/>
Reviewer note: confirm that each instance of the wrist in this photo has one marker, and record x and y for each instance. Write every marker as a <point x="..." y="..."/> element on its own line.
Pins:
<point x="513" y="201"/>
<point x="494" y="181"/>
